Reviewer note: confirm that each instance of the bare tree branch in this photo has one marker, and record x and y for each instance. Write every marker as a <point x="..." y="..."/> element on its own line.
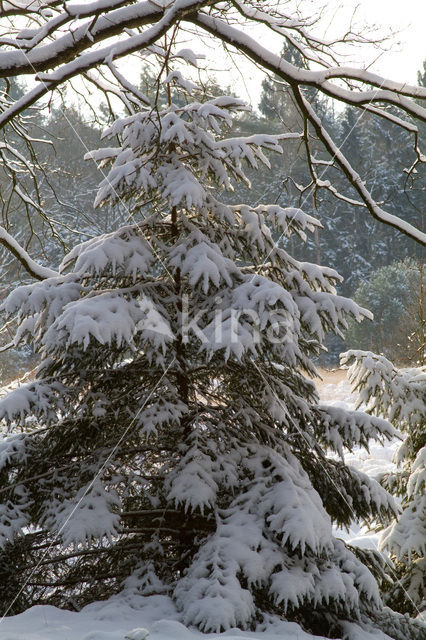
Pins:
<point x="65" y="38"/>
<point x="34" y="269"/>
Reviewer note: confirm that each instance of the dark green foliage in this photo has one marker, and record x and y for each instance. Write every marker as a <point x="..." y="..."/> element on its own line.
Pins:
<point x="393" y="295"/>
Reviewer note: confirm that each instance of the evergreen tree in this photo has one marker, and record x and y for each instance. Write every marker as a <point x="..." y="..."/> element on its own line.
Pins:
<point x="421" y="75"/>
<point x="67" y="187"/>
<point x="172" y="439"/>
<point x="394" y="294"/>
<point x="399" y="395"/>
<point x="276" y="101"/>
<point x="351" y="241"/>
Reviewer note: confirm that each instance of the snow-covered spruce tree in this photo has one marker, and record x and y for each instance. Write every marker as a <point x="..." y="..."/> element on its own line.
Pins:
<point x="399" y="395"/>
<point x="171" y="438"/>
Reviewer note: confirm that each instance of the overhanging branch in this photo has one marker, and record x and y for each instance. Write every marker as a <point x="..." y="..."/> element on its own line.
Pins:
<point x="34" y="269"/>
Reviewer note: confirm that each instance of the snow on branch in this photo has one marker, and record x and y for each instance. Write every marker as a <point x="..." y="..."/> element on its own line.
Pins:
<point x="65" y="47"/>
<point x="340" y="428"/>
<point x="33" y="268"/>
<point x="388" y="90"/>
<point x="26" y="7"/>
<point x="354" y="178"/>
<point x="64" y="40"/>
<point x="396" y="394"/>
<point x="33" y="398"/>
<point x="139" y="14"/>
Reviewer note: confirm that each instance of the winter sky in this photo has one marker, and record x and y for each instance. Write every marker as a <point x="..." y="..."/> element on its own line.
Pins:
<point x="407" y="19"/>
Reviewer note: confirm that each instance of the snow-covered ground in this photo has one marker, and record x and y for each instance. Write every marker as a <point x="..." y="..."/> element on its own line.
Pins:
<point x="373" y="462"/>
<point x="155" y="617"/>
<point x="139" y="618"/>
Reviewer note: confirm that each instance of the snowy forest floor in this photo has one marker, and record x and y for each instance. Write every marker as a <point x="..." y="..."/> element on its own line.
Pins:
<point x="155" y="617"/>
